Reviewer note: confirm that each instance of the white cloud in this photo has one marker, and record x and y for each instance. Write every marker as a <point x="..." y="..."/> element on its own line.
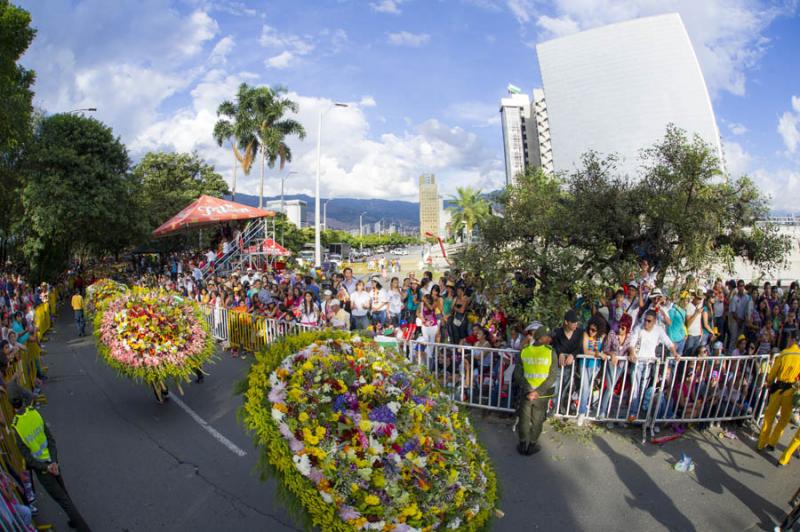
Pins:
<point x="405" y="38"/>
<point x="737" y="129"/>
<point x="282" y="60"/>
<point x="387" y="6"/>
<point x="737" y="159"/>
<point x="219" y="55"/>
<point x="367" y="101"/>
<point x="522" y="9"/>
<point x="789" y="126"/>
<point x="290" y="48"/>
<point x="473" y="113"/>
<point x="783" y="186"/>
<point x="728" y="35"/>
<point x="557" y="26"/>
<point x="353" y="162"/>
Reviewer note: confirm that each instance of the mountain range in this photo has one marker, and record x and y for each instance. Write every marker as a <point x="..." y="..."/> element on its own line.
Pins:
<point x="343" y="213"/>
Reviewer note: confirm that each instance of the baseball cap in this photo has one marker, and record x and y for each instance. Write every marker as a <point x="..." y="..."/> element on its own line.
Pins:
<point x="571" y="316"/>
<point x="540" y="333"/>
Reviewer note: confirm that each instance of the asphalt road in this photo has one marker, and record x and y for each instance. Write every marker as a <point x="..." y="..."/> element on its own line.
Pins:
<point x="134" y="465"/>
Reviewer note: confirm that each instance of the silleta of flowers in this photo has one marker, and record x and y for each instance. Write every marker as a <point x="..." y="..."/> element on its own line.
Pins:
<point x="101" y="291"/>
<point x="152" y="337"/>
<point x="366" y="440"/>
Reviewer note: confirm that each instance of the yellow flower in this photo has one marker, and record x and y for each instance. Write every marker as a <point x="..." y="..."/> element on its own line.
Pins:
<point x="365" y="425"/>
<point x="303" y="417"/>
<point x="367" y="390"/>
<point x="372" y="500"/>
<point x="410" y="510"/>
<point x="353" y="487"/>
<point x="307" y="366"/>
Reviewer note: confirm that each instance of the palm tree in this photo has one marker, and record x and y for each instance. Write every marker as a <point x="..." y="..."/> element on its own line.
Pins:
<point x="469" y="211"/>
<point x="270" y="106"/>
<point x="238" y="127"/>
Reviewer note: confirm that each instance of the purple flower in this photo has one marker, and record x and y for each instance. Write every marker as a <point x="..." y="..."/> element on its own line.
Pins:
<point x="382" y="414"/>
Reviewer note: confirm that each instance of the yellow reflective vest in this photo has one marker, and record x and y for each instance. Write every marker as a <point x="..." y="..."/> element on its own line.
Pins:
<point x="536" y="362"/>
<point x="30" y="427"/>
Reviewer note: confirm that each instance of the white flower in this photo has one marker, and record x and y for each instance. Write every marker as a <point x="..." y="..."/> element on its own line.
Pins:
<point x="277" y="415"/>
<point x="356" y="339"/>
<point x="326" y="497"/>
<point x="394" y="406"/>
<point x="273" y="379"/>
<point x="303" y="464"/>
<point x="455" y="523"/>
<point x="378" y="525"/>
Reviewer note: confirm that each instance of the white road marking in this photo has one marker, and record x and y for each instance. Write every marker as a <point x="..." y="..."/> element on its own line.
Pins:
<point x="211" y="430"/>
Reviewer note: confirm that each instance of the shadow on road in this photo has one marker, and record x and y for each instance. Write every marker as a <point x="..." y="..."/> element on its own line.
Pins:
<point x="534" y="492"/>
<point x="712" y="476"/>
<point x="653" y="499"/>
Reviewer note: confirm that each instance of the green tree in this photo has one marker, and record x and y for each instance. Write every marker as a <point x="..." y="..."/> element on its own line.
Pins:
<point x="256" y="122"/>
<point x="238" y="127"/>
<point x="469" y="211"/>
<point x="78" y="195"/>
<point x="16" y="109"/>
<point x="271" y="106"/>
<point x="579" y="233"/>
<point x="170" y="181"/>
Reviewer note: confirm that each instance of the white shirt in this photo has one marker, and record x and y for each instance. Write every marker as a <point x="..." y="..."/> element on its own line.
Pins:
<point x="647" y="341"/>
<point x="395" y="302"/>
<point x="740" y="305"/>
<point x="379" y="301"/>
<point x="696" y="327"/>
<point x="360" y="303"/>
<point x="211" y="255"/>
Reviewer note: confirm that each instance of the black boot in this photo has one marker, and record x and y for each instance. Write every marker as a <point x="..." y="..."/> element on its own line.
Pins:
<point x="522" y="448"/>
<point x="532" y="449"/>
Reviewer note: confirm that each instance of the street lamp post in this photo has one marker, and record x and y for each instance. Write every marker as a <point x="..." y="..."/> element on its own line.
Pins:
<point x="325" y="213"/>
<point x="361" y="230"/>
<point x="283" y="182"/>
<point x="317" y="245"/>
<point x="84" y="109"/>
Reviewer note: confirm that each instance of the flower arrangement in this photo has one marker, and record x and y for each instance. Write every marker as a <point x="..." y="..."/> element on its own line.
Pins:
<point x="151" y="337"/>
<point x="364" y="439"/>
<point x="102" y="291"/>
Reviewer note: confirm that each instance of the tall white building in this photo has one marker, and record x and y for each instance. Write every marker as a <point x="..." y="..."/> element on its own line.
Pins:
<point x="296" y="210"/>
<point x="526" y="135"/>
<point x="614" y="89"/>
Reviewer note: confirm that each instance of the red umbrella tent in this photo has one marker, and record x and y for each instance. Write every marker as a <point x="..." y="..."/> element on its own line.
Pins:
<point x="270" y="248"/>
<point x="207" y="210"/>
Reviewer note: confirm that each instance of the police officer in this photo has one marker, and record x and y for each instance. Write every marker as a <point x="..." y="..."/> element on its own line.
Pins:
<point x="38" y="447"/>
<point x="784" y="373"/>
<point x="534" y="377"/>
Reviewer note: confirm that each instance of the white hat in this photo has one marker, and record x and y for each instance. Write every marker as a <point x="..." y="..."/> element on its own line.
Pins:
<point x="335" y="302"/>
<point x="655" y="292"/>
<point x="327" y="293"/>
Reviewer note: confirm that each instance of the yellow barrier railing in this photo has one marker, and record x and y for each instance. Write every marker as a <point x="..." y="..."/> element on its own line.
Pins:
<point x="248" y="332"/>
<point x="24" y="372"/>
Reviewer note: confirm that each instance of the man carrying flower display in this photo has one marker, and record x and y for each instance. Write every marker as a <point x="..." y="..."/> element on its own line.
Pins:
<point x="534" y="376"/>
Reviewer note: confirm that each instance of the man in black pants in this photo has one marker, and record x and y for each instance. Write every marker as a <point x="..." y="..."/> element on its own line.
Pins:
<point x="38" y="447"/>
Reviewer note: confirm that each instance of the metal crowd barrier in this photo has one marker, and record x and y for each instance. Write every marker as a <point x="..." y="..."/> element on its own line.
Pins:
<point x="246" y="331"/>
<point x="646" y="392"/>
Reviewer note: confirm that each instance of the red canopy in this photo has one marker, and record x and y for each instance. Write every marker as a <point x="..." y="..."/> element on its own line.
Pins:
<point x="270" y="247"/>
<point x="207" y="210"/>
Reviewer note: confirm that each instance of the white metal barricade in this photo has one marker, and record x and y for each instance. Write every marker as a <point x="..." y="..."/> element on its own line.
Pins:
<point x="648" y="391"/>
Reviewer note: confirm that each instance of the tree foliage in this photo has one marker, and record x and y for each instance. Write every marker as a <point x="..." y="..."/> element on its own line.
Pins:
<point x="16" y="108"/>
<point x="168" y="182"/>
<point x="469" y="211"/>
<point x="577" y="233"/>
<point x="78" y="194"/>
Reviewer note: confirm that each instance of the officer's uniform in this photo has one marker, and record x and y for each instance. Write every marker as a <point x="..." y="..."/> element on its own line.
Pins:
<point x="781" y="378"/>
<point x="536" y="370"/>
<point x="38" y="447"/>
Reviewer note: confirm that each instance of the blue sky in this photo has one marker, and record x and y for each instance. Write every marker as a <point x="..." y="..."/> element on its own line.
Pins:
<point x="423" y="78"/>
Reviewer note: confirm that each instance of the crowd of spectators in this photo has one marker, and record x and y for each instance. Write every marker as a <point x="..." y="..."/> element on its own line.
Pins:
<point x="636" y="320"/>
<point x="19" y="345"/>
